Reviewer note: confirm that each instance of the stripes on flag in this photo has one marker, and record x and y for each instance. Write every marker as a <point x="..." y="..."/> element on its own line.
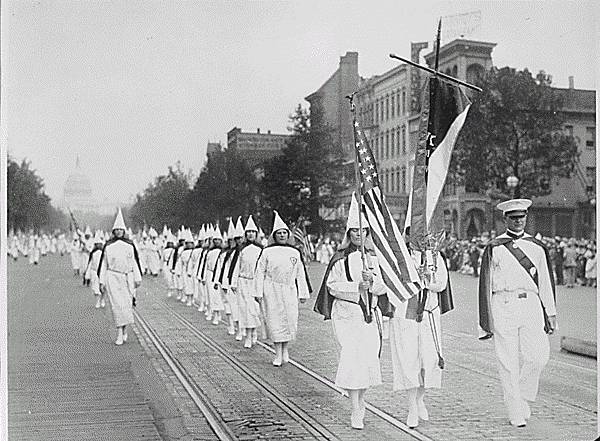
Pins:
<point x="398" y="270"/>
<point x="301" y="237"/>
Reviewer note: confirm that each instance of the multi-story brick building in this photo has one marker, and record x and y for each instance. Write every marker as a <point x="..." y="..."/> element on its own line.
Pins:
<point x="256" y="147"/>
<point x="388" y="107"/>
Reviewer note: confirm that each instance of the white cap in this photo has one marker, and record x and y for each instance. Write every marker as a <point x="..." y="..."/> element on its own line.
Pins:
<point x="278" y="223"/>
<point x="250" y="225"/>
<point x="239" y="228"/>
<point x="519" y="205"/>
<point x="187" y="236"/>
<point x="152" y="232"/>
<point x="119" y="222"/>
<point x="353" y="215"/>
<point x="99" y="237"/>
<point x="171" y="238"/>
<point x="88" y="231"/>
<point x="230" y="229"/>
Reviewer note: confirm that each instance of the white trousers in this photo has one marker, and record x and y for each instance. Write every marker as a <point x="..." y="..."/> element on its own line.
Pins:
<point x="519" y="329"/>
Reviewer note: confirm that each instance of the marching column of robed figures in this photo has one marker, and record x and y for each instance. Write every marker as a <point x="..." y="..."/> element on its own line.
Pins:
<point x="255" y="284"/>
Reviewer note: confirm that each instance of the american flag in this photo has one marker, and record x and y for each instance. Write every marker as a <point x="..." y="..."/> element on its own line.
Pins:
<point x="397" y="267"/>
<point x="302" y="239"/>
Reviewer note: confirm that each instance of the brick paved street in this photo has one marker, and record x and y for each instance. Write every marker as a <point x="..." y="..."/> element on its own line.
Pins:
<point x="468" y="407"/>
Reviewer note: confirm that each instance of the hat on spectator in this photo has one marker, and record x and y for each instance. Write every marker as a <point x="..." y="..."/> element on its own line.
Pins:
<point x="514" y="206"/>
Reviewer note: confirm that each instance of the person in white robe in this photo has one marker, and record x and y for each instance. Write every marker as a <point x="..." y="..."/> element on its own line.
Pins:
<point x="350" y="295"/>
<point x="200" y="270"/>
<point x="281" y="282"/>
<point x="119" y="275"/>
<point x="86" y="246"/>
<point x="234" y="297"/>
<point x="215" y="300"/>
<point x="34" y="249"/>
<point x="222" y="276"/>
<point x="416" y="338"/>
<point x="153" y="254"/>
<point x="182" y="268"/>
<point x="168" y="257"/>
<point x="74" y="248"/>
<point x="91" y="272"/>
<point x="193" y="267"/>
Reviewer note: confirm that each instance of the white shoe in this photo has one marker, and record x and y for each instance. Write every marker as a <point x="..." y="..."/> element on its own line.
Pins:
<point x="169" y="294"/>
<point x="231" y="330"/>
<point x="248" y="344"/>
<point x="518" y="423"/>
<point x="412" y="420"/>
<point x="102" y="303"/>
<point x="98" y="304"/>
<point x="356" y="421"/>
<point x="254" y="336"/>
<point x="119" y="341"/>
<point x="124" y="336"/>
<point x="239" y="336"/>
<point x="183" y="300"/>
<point x="286" y="357"/>
<point x="201" y="308"/>
<point x="215" y="321"/>
<point x="277" y="362"/>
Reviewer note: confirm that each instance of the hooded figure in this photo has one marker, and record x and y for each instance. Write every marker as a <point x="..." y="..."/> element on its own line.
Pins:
<point x="183" y="269"/>
<point x="348" y="282"/>
<point x="167" y="257"/>
<point x="91" y="272"/>
<point x="119" y="275"/>
<point x="415" y="338"/>
<point x="281" y="281"/>
<point x="215" y="300"/>
<point x="242" y="283"/>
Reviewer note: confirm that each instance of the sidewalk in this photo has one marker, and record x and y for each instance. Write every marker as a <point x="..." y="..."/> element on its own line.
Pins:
<point x="66" y="378"/>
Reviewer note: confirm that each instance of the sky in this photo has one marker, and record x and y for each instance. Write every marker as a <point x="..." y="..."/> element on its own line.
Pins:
<point x="135" y="86"/>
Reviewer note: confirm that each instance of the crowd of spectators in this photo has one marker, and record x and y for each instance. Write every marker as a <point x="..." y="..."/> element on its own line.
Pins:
<point x="573" y="260"/>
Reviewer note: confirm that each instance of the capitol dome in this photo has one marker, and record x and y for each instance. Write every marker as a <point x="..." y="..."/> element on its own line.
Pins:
<point x="77" y="192"/>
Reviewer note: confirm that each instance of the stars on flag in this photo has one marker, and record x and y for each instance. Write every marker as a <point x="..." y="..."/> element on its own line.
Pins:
<point x="366" y="161"/>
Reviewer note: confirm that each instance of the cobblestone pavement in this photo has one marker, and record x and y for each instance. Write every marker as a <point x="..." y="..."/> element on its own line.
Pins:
<point x="66" y="378"/>
<point x="468" y="407"/>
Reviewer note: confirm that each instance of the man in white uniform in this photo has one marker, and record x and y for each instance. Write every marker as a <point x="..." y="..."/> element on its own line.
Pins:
<point x="119" y="274"/>
<point x="517" y="308"/>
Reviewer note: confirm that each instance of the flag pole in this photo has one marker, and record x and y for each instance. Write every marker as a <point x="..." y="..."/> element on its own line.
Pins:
<point x="365" y="297"/>
<point x="357" y="177"/>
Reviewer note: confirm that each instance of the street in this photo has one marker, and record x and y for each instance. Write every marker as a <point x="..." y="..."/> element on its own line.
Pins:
<point x="47" y="306"/>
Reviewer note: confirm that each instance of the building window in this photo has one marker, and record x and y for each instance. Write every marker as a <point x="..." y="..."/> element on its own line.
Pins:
<point x="392" y="181"/>
<point x="403" y="136"/>
<point x="376" y="113"/>
<point x="393" y="106"/>
<point x="403" y="179"/>
<point x="387" y="109"/>
<point x="393" y="142"/>
<point x="403" y="101"/>
<point x="382" y="117"/>
<point x="375" y="151"/>
<point x="569" y="130"/>
<point x="590" y="137"/>
<point x="387" y="145"/>
<point x="398" y="180"/>
<point x="381" y="147"/>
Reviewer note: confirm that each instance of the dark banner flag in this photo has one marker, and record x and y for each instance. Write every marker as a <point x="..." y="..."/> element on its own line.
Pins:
<point x="443" y="113"/>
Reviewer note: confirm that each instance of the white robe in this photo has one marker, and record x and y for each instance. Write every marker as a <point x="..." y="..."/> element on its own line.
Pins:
<point x="75" y="254"/>
<point x="280" y="281"/>
<point x="358" y="365"/>
<point x="182" y="270"/>
<point x="91" y="271"/>
<point x="168" y="255"/>
<point x="414" y="357"/>
<point x="242" y="281"/>
<point x="215" y="300"/>
<point x="118" y="273"/>
<point x="152" y="258"/>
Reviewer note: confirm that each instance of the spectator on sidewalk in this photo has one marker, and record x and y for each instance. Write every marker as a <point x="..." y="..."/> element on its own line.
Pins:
<point x="556" y="253"/>
<point x="570" y="263"/>
<point x="590" y="267"/>
<point x="517" y="308"/>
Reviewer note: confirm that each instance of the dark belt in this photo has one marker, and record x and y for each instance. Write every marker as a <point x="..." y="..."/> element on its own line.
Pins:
<point x="522" y="295"/>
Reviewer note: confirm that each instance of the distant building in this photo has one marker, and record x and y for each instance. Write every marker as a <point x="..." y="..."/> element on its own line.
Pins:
<point x="256" y="147"/>
<point x="212" y="148"/>
<point x="388" y="109"/>
<point x="77" y="192"/>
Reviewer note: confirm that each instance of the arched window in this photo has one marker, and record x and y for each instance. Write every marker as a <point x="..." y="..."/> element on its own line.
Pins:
<point x="393" y="142"/>
<point x="455" y="71"/>
<point x="403" y="101"/>
<point x="403" y="136"/>
<point x="475" y="73"/>
<point x="403" y="179"/>
<point x="376" y="112"/>
<point x="387" y="145"/>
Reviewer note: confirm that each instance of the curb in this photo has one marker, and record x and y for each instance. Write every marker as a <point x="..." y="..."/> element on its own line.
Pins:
<point x="578" y="346"/>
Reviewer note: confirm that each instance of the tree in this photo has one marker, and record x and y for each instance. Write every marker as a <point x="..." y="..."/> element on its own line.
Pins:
<point x="163" y="201"/>
<point x="308" y="174"/>
<point x="514" y="127"/>
<point x="28" y="205"/>
<point x="226" y="186"/>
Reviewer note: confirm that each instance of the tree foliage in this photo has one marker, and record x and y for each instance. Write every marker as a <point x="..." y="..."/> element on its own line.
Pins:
<point x="308" y="174"/>
<point x="514" y="127"/>
<point x="162" y="202"/>
<point x="226" y="186"/>
<point x="29" y="207"/>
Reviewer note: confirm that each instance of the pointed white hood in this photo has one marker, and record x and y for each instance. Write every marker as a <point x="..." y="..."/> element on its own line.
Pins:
<point x="119" y="222"/>
<point x="239" y="228"/>
<point x="353" y="222"/>
<point x="250" y="225"/>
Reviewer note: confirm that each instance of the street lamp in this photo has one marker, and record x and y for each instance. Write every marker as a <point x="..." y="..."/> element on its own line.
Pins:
<point x="512" y="182"/>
